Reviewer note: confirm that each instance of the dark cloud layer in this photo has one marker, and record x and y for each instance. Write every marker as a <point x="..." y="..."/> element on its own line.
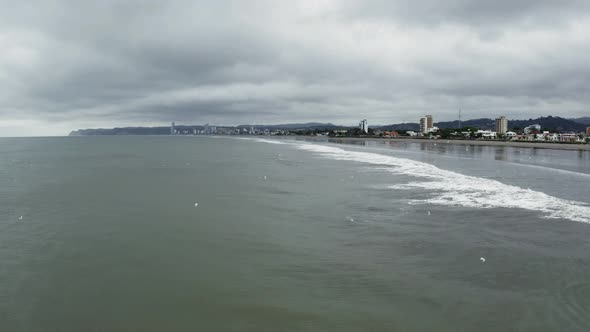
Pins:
<point x="70" y="64"/>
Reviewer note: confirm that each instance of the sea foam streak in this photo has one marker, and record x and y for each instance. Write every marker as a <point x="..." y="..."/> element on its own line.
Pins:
<point x="454" y="189"/>
<point x="262" y="140"/>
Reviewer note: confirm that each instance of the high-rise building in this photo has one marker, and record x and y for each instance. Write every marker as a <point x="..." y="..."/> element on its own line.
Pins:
<point x="426" y="123"/>
<point x="430" y="121"/>
<point x="423" y="125"/>
<point x="587" y="131"/>
<point x="364" y="126"/>
<point x="172" y="129"/>
<point x="501" y="125"/>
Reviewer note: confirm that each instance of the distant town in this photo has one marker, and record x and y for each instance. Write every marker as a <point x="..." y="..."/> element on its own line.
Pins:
<point x="544" y="129"/>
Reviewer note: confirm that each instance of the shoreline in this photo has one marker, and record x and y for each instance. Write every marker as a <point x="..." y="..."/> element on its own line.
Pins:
<point x="531" y="145"/>
<point x="515" y="144"/>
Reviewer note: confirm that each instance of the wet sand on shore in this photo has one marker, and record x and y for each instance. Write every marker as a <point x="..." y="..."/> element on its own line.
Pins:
<point x="536" y="145"/>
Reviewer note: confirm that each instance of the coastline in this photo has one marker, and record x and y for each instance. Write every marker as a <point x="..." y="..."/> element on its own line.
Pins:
<point x="532" y="145"/>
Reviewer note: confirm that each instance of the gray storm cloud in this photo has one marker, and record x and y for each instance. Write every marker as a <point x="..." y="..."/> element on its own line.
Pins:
<point x="70" y="64"/>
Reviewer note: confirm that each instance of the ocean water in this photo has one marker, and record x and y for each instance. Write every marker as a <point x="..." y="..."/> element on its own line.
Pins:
<point x="226" y="234"/>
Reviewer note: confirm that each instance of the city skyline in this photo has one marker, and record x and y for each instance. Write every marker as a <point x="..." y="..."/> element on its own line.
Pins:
<point x="68" y="65"/>
<point x="429" y="123"/>
<point x="500" y="124"/>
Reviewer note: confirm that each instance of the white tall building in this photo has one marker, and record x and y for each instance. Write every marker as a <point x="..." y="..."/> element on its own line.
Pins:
<point x="172" y="129"/>
<point x="426" y="123"/>
<point x="501" y="125"/>
<point x="364" y="126"/>
<point x="423" y="125"/>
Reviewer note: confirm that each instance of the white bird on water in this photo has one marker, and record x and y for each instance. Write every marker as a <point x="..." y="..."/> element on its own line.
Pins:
<point x="483" y="260"/>
<point x="196" y="204"/>
<point x="265" y="177"/>
<point x="20" y="218"/>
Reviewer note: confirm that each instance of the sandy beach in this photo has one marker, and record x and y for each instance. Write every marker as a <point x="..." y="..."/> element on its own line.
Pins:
<point x="534" y="145"/>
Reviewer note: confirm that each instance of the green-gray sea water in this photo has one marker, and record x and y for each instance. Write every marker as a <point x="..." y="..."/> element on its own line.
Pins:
<point x="222" y="234"/>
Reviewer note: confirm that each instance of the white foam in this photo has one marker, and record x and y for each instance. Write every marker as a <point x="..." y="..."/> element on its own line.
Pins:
<point x="556" y="170"/>
<point x="255" y="139"/>
<point x="262" y="140"/>
<point x="454" y="189"/>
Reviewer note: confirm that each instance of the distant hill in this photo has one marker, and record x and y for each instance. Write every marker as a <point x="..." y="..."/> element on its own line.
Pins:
<point x="584" y="120"/>
<point x="553" y="123"/>
<point x="400" y="126"/>
<point x="550" y="122"/>
<point x="478" y="123"/>
<point x="309" y="125"/>
<point x="482" y="123"/>
<point x="166" y="130"/>
<point x="122" y="131"/>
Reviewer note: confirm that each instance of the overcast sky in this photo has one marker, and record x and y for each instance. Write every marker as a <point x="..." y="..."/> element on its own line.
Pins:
<point x="66" y="65"/>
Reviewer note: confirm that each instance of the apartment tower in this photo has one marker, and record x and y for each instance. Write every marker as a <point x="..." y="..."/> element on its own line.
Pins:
<point x="426" y="123"/>
<point x="501" y="125"/>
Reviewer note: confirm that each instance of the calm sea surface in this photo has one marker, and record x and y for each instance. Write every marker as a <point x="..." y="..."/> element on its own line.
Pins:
<point x="224" y="234"/>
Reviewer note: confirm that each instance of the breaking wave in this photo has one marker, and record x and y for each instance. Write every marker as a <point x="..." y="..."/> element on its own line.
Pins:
<point x="262" y="140"/>
<point x="454" y="189"/>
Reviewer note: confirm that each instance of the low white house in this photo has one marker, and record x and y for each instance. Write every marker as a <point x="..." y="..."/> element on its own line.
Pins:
<point x="568" y="137"/>
<point x="552" y="137"/>
<point x="486" y="133"/>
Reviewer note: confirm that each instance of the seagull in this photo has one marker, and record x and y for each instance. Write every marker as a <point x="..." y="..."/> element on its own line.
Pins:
<point x="20" y="218"/>
<point x="196" y="204"/>
<point x="483" y="260"/>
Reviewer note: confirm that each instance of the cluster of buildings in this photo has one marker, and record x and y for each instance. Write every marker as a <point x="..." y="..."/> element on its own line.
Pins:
<point x="364" y="126"/>
<point x="427" y="129"/>
<point x="531" y="133"/>
<point x="216" y="130"/>
<point x="427" y="125"/>
<point x="546" y="136"/>
<point x="534" y="133"/>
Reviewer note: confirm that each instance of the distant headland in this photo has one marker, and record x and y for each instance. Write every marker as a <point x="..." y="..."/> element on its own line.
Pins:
<point x="549" y="123"/>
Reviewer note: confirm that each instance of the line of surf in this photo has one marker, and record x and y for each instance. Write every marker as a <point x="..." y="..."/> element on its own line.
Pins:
<point x="555" y="170"/>
<point x="454" y="189"/>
